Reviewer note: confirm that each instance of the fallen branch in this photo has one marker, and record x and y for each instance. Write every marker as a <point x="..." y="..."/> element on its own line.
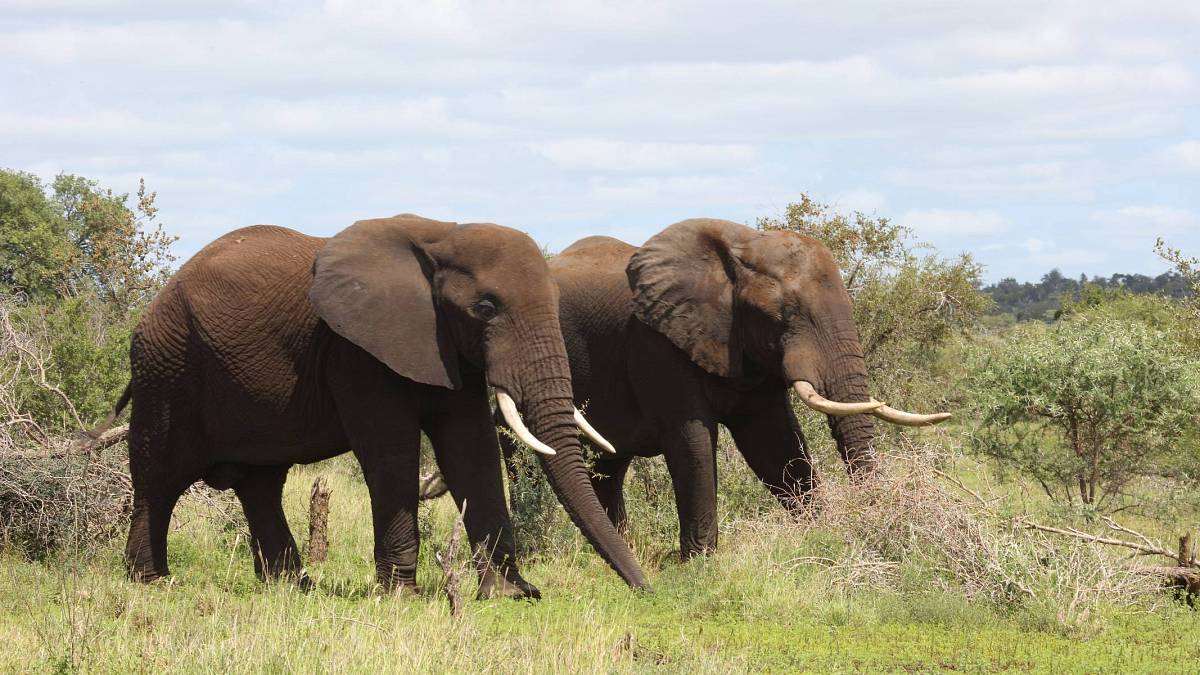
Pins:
<point x="1147" y="547"/>
<point x="107" y="439"/>
<point x="1186" y="579"/>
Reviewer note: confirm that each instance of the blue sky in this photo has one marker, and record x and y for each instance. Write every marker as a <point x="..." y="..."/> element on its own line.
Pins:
<point x="1031" y="134"/>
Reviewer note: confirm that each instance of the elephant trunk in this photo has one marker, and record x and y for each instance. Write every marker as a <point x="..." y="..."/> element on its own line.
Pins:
<point x="550" y="414"/>
<point x="840" y="374"/>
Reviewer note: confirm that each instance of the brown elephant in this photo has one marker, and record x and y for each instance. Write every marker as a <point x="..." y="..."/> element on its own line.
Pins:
<point x="271" y="347"/>
<point x="712" y="322"/>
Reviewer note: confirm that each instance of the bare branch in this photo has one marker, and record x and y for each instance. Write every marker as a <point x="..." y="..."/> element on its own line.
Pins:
<point x="1148" y="548"/>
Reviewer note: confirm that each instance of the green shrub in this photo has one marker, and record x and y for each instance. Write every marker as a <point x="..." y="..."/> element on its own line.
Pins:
<point x="1086" y="406"/>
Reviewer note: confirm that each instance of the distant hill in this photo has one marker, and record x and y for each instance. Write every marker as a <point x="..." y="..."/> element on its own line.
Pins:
<point x="1039" y="301"/>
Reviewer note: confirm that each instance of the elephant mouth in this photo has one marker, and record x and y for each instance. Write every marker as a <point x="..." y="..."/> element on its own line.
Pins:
<point x="508" y="408"/>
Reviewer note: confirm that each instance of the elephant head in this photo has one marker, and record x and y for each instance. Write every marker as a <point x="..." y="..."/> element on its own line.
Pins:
<point x="438" y="301"/>
<point x="730" y="296"/>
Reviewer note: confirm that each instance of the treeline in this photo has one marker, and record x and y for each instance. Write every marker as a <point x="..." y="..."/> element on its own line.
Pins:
<point x="1042" y="301"/>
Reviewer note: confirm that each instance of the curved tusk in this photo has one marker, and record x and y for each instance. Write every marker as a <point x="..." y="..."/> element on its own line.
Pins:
<point x="908" y="419"/>
<point x="591" y="433"/>
<point x="508" y="408"/>
<point x="810" y="397"/>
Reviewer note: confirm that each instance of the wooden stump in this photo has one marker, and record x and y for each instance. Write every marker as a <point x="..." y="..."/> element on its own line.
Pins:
<point x="450" y="569"/>
<point x="318" y="521"/>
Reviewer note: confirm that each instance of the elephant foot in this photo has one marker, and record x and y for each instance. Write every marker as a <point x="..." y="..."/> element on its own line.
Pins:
<point x="389" y="584"/>
<point x="494" y="585"/>
<point x="293" y="577"/>
<point x="146" y="576"/>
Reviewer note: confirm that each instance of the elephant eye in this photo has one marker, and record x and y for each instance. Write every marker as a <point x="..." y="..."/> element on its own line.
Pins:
<point x="485" y="309"/>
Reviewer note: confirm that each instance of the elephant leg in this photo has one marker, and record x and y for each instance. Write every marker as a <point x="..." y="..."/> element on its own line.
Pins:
<point x="690" y="450"/>
<point x="275" y="552"/>
<point x="769" y="437"/>
<point x="464" y="442"/>
<point x="146" y="548"/>
<point x="608" y="479"/>
<point x="390" y="470"/>
<point x="160" y="471"/>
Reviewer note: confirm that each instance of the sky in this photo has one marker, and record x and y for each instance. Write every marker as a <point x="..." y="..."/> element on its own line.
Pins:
<point x="1033" y="135"/>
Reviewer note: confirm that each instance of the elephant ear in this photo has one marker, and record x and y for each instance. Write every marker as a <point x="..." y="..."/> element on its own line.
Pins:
<point x="683" y="286"/>
<point x="371" y="284"/>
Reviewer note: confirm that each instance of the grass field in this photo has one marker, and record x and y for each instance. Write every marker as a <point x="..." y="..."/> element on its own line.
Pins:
<point x="756" y="606"/>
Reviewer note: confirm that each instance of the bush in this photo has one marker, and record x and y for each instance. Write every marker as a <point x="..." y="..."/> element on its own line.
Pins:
<point x="1086" y="406"/>
<point x="77" y="265"/>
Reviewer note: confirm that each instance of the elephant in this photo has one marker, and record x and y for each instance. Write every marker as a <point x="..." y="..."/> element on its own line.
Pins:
<point x="270" y="347"/>
<point x="711" y="322"/>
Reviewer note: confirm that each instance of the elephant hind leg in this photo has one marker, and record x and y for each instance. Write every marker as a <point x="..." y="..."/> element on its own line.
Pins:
<point x="146" y="548"/>
<point x="260" y="490"/>
<point x="161" y="469"/>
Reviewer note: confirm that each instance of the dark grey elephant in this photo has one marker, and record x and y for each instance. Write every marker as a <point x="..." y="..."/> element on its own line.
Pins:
<point x="711" y="322"/>
<point x="270" y="348"/>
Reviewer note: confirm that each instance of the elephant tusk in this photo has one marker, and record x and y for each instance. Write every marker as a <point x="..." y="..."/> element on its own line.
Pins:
<point x="508" y="408"/>
<point x="432" y="486"/>
<point x="908" y="419"/>
<point x="810" y="397"/>
<point x="591" y="433"/>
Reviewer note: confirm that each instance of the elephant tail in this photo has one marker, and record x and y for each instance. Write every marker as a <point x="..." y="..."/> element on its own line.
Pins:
<point x="96" y="433"/>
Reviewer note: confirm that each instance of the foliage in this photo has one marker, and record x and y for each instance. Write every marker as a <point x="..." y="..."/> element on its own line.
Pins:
<point x="1043" y="300"/>
<point x="1087" y="405"/>
<point x="77" y="264"/>
<point x="1187" y="268"/>
<point x="908" y="300"/>
<point x="79" y="238"/>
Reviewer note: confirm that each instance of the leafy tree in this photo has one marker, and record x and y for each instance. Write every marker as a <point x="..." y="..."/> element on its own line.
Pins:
<point x="35" y="252"/>
<point x="79" y="238"/>
<point x="1087" y="405"/>
<point x="77" y="264"/>
<point x="908" y="300"/>
<point x="1042" y="301"/>
<point x="1186" y="267"/>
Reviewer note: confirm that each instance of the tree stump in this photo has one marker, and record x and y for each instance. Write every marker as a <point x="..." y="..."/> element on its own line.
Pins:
<point x="318" y="521"/>
<point x="449" y="567"/>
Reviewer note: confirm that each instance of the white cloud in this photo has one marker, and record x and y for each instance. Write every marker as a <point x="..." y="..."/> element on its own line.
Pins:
<point x="860" y="199"/>
<point x="950" y="222"/>
<point x="1146" y="220"/>
<point x="1184" y="155"/>
<point x="606" y="115"/>
<point x="628" y="157"/>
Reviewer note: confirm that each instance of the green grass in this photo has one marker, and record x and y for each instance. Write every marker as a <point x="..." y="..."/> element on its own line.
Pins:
<point x="751" y="607"/>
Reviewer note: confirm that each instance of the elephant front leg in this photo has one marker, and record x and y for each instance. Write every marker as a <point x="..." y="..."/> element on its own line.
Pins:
<point x="769" y="436"/>
<point x="468" y="454"/>
<point x="275" y="553"/>
<point x="392" y="481"/>
<point x="690" y="449"/>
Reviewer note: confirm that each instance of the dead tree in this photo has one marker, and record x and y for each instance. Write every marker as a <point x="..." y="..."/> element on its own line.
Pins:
<point x="318" y="520"/>
<point x="453" y="577"/>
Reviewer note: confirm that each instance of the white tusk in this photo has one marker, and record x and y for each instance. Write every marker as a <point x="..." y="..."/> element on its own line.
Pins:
<point x="908" y="419"/>
<point x="508" y="408"/>
<point x="810" y="397"/>
<point x="591" y="433"/>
